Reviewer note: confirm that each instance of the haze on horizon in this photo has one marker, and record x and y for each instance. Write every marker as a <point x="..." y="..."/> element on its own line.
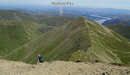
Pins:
<point x="120" y="4"/>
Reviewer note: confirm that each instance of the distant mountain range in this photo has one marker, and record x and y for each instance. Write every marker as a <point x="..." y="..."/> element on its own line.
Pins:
<point x="71" y="11"/>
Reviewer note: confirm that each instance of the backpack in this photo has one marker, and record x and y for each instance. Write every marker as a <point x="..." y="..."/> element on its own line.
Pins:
<point x="41" y="59"/>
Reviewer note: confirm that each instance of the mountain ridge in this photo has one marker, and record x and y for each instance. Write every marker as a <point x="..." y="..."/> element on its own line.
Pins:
<point x="77" y="39"/>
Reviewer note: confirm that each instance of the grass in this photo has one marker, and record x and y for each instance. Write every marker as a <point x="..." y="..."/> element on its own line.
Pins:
<point x="122" y="29"/>
<point x="94" y="41"/>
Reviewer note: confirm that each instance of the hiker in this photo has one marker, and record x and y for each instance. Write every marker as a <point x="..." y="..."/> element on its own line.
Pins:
<point x="40" y="59"/>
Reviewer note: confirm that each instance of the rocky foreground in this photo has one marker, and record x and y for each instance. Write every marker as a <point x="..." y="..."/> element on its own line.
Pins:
<point x="61" y="68"/>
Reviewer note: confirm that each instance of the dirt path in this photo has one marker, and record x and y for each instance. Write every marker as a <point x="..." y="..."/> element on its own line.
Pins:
<point x="61" y="68"/>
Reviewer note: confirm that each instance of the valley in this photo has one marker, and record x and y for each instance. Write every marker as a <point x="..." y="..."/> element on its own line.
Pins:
<point x="64" y="37"/>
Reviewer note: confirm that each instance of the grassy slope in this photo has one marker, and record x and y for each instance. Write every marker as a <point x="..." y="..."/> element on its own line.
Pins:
<point x="91" y="40"/>
<point x="107" y="46"/>
<point x="120" y="24"/>
<point x="17" y="28"/>
<point x="13" y="35"/>
<point x="9" y="39"/>
<point x="57" y="44"/>
<point x="122" y="29"/>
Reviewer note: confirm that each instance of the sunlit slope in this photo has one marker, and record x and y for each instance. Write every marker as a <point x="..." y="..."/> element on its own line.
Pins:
<point x="106" y="45"/>
<point x="78" y="39"/>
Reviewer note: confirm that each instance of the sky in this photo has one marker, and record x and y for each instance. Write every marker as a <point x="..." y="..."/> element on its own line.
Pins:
<point x="121" y="4"/>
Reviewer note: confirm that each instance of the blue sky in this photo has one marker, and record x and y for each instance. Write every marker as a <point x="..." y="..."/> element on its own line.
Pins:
<point x="122" y="4"/>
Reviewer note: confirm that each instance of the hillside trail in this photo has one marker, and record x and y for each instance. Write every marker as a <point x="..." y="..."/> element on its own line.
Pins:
<point x="61" y="68"/>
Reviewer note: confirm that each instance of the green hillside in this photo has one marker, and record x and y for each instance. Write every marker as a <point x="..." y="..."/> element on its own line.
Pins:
<point x="107" y="46"/>
<point x="77" y="39"/>
<point x="18" y="28"/>
<point x="122" y="29"/>
<point x="59" y="43"/>
<point x="11" y="37"/>
<point x="14" y="34"/>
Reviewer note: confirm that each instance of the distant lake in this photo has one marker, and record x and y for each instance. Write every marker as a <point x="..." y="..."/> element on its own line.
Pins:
<point x="102" y="20"/>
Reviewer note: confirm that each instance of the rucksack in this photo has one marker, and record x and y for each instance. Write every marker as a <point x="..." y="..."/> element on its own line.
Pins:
<point x="41" y="59"/>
